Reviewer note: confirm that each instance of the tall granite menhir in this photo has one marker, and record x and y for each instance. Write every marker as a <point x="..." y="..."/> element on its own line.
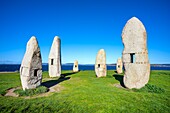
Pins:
<point x="135" y="54"/>
<point x="100" y="65"/>
<point x="75" y="66"/>
<point x="31" y="67"/>
<point x="119" y="66"/>
<point x="54" y="61"/>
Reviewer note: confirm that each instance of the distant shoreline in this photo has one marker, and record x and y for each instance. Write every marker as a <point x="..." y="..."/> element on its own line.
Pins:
<point x="9" y="72"/>
<point x="94" y="64"/>
<point x="16" y="67"/>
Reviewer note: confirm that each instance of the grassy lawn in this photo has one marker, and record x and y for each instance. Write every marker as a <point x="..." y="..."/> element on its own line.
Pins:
<point x="82" y="92"/>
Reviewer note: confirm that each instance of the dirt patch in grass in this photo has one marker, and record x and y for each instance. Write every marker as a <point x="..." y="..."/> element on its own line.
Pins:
<point x="10" y="92"/>
<point x="55" y="88"/>
<point x="118" y="85"/>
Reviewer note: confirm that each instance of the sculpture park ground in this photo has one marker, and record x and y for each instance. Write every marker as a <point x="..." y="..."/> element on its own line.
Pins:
<point x="82" y="92"/>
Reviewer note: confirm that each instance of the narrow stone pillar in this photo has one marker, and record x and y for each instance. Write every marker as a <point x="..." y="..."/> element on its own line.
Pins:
<point x="119" y="66"/>
<point x="75" y="66"/>
<point x="54" y="61"/>
<point x="100" y="65"/>
<point x="31" y="66"/>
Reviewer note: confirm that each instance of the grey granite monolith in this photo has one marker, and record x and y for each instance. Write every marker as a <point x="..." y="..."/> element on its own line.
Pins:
<point x="119" y="66"/>
<point x="31" y="66"/>
<point x="75" y="66"/>
<point x="54" y="61"/>
<point x="135" y="54"/>
<point x="100" y="64"/>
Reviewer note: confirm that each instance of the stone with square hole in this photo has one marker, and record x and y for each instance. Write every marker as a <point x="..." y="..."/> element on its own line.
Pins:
<point x="75" y="66"/>
<point x="135" y="54"/>
<point x="100" y="65"/>
<point x="119" y="66"/>
<point x="54" y="60"/>
<point x="31" y="66"/>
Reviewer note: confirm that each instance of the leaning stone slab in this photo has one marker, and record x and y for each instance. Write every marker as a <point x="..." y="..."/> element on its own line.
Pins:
<point x="75" y="66"/>
<point x="54" y="60"/>
<point x="31" y="66"/>
<point x="135" y="54"/>
<point x="119" y="66"/>
<point x="100" y="64"/>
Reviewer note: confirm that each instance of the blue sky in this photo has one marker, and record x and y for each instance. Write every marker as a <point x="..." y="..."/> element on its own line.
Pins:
<point x="84" y="27"/>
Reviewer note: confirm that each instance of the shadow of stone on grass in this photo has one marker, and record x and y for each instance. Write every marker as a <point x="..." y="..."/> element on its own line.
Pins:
<point x="120" y="79"/>
<point x="67" y="74"/>
<point x="51" y="83"/>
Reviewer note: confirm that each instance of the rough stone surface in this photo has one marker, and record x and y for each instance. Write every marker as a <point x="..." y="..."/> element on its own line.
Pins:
<point x="75" y="66"/>
<point x="31" y="67"/>
<point x="100" y="65"/>
<point x="135" y="54"/>
<point x="119" y="66"/>
<point x="54" y="61"/>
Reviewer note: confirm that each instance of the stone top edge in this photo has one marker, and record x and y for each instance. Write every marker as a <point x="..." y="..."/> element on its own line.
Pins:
<point x="56" y="38"/>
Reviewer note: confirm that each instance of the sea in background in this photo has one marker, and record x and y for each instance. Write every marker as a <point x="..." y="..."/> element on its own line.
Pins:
<point x="16" y="67"/>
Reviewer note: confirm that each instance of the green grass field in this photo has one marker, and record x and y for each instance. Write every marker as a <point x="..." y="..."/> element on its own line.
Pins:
<point x="82" y="92"/>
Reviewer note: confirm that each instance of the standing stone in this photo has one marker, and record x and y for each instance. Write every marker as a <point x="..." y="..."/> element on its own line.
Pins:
<point x="135" y="54"/>
<point x="31" y="67"/>
<point x="75" y="66"/>
<point x="119" y="66"/>
<point x="100" y="65"/>
<point x="54" y="61"/>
